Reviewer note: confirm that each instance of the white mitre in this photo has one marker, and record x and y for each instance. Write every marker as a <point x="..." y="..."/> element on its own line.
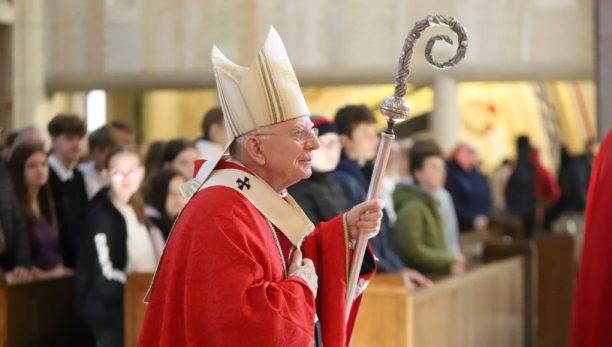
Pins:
<point x="263" y="94"/>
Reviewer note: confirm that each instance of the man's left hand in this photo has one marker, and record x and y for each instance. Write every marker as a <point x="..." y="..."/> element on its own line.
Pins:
<point x="364" y="219"/>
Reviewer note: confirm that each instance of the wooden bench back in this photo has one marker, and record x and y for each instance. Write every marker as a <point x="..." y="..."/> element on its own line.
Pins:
<point x="135" y="289"/>
<point x="41" y="313"/>
<point x="556" y="273"/>
<point x="457" y="311"/>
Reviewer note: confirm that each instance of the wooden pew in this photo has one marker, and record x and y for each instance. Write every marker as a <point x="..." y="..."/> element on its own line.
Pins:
<point x="41" y="313"/>
<point x="135" y="289"/>
<point x="556" y="277"/>
<point x="385" y="314"/>
<point x="550" y="275"/>
<point x="483" y="307"/>
<point x="507" y="224"/>
<point x="3" y="312"/>
<point x="495" y="250"/>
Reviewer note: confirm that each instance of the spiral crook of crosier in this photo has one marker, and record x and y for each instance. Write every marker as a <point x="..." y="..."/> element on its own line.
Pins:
<point x="401" y="81"/>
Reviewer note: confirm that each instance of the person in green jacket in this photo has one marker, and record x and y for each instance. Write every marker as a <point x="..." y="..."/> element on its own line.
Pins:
<point x="419" y="230"/>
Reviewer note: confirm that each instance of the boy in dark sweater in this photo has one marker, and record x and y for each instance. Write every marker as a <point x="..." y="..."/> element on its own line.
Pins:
<point x="67" y="184"/>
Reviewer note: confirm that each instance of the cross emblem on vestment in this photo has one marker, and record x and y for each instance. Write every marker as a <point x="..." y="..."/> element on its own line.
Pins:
<point x="243" y="183"/>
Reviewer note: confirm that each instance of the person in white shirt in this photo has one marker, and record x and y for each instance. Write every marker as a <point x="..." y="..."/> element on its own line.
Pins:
<point x="101" y="142"/>
<point x="449" y="219"/>
<point x="214" y="135"/>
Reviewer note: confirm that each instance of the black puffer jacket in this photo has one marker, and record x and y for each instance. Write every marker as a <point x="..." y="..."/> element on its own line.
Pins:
<point x="320" y="196"/>
<point x="101" y="261"/>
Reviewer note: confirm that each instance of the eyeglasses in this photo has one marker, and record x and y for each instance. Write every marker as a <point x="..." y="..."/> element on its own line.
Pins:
<point x="299" y="135"/>
<point x="120" y="176"/>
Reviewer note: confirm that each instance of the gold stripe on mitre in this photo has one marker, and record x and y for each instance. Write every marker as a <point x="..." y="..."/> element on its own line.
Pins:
<point x="265" y="93"/>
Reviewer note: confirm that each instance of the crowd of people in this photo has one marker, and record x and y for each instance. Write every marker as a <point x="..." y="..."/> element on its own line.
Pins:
<point x="104" y="214"/>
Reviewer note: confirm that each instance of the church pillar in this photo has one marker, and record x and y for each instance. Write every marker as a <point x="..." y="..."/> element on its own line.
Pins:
<point x="28" y="64"/>
<point x="445" y="120"/>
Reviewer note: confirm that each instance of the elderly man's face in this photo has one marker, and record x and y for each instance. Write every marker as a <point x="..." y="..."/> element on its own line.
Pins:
<point x="288" y="147"/>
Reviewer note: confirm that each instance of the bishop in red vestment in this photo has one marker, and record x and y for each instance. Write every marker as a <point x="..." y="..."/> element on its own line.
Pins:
<point x="243" y="265"/>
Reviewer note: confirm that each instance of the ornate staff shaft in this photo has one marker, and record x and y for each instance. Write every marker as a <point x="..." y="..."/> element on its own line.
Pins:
<point x="396" y="109"/>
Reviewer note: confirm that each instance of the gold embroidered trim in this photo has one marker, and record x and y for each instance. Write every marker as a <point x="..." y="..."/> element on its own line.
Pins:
<point x="346" y="246"/>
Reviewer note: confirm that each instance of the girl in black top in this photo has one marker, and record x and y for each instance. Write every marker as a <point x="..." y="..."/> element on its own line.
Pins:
<point x="164" y="200"/>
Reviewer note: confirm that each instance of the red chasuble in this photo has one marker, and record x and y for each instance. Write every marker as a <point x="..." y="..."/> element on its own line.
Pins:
<point x="592" y="316"/>
<point x="222" y="282"/>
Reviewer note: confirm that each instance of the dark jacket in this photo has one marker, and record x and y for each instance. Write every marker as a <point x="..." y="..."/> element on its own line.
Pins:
<point x="419" y="231"/>
<point x="70" y="199"/>
<point x="352" y="179"/>
<point x="15" y="248"/>
<point x="470" y="192"/>
<point x="520" y="191"/>
<point x="320" y="196"/>
<point x="102" y="258"/>
<point x="574" y="183"/>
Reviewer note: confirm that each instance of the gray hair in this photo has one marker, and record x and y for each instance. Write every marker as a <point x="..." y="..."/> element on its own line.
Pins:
<point x="237" y="150"/>
<point x="23" y="134"/>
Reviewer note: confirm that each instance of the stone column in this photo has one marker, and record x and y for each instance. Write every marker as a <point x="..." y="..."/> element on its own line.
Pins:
<point x="29" y="101"/>
<point x="6" y="23"/>
<point x="6" y="94"/>
<point x="445" y="120"/>
<point x="603" y="57"/>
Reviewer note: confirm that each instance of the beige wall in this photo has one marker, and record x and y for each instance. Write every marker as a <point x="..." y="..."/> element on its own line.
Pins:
<point x="168" y="114"/>
<point x="166" y="44"/>
<point x="128" y="45"/>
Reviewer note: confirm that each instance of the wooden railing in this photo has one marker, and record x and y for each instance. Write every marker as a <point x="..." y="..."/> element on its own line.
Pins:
<point x="136" y="287"/>
<point x="483" y="307"/>
<point x="556" y="278"/>
<point x="457" y="311"/>
<point x="3" y="313"/>
<point x="494" y="304"/>
<point x="41" y="313"/>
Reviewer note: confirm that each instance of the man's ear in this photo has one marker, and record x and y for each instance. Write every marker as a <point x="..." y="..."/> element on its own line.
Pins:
<point x="253" y="149"/>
